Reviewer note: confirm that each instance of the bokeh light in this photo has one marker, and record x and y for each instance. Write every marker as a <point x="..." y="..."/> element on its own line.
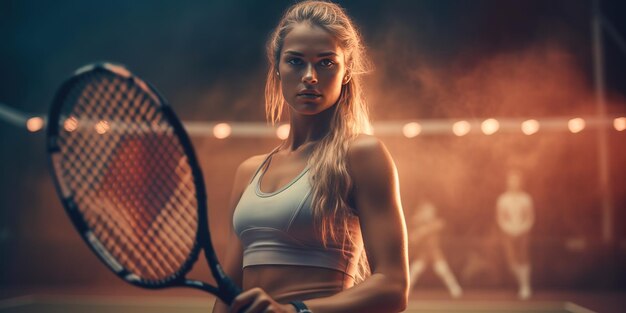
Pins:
<point x="412" y="129"/>
<point x="102" y="127"/>
<point x="222" y="130"/>
<point x="530" y="127"/>
<point x="70" y="124"/>
<point x="576" y="125"/>
<point x="619" y="123"/>
<point x="34" y="124"/>
<point x="490" y="126"/>
<point x="282" y="132"/>
<point x="461" y="128"/>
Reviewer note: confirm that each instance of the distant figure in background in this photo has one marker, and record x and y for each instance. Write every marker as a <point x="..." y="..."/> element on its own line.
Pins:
<point x="424" y="230"/>
<point x="515" y="218"/>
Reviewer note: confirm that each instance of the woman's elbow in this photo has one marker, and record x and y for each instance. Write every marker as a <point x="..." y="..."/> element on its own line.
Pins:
<point x="400" y="301"/>
<point x="403" y="295"/>
<point x="398" y="296"/>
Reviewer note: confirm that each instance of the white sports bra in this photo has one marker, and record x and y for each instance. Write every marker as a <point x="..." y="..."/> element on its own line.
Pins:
<point x="278" y="228"/>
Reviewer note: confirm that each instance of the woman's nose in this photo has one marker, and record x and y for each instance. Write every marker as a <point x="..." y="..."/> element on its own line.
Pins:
<point x="310" y="76"/>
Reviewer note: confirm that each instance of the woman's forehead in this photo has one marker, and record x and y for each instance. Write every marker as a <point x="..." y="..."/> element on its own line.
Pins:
<point x="310" y="39"/>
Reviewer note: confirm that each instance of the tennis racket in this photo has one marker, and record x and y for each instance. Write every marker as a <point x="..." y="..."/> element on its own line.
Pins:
<point x="129" y="180"/>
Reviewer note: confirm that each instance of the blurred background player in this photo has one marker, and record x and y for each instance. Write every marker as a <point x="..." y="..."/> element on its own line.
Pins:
<point x="424" y="230"/>
<point x="515" y="218"/>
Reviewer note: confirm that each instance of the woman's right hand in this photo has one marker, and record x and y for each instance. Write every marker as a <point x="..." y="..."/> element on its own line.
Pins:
<point x="256" y="300"/>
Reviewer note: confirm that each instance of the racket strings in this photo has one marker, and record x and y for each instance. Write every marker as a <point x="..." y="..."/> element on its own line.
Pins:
<point x="129" y="175"/>
<point x="112" y="233"/>
<point x="90" y="160"/>
<point x="158" y="192"/>
<point x="110" y="226"/>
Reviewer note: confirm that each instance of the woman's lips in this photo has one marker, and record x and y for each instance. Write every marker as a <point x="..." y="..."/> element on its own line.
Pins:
<point x="309" y="95"/>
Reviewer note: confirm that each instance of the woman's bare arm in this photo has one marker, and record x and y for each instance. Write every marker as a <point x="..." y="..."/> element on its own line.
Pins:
<point x="233" y="258"/>
<point x="383" y="227"/>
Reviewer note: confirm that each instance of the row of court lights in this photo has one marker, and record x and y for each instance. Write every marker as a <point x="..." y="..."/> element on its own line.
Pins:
<point x="459" y="128"/>
<point x="411" y="129"/>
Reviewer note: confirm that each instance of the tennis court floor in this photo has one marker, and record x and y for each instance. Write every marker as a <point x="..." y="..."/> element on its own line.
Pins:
<point x="100" y="304"/>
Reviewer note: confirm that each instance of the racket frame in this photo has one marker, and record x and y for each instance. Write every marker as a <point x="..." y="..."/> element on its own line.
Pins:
<point x="226" y="290"/>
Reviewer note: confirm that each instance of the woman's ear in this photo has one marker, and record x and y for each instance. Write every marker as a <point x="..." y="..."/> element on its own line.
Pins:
<point x="346" y="78"/>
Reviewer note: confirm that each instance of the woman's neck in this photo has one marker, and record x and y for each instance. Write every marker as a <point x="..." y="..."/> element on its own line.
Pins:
<point x="307" y="130"/>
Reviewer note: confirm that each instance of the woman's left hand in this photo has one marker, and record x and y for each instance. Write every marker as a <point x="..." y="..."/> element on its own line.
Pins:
<point x="256" y="300"/>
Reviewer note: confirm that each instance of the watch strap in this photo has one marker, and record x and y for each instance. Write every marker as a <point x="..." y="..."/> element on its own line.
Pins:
<point x="300" y="306"/>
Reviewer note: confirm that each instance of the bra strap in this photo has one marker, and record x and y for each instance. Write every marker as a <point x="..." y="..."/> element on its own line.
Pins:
<point x="263" y="164"/>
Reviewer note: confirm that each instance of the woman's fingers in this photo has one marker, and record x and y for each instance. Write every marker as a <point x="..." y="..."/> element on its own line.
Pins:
<point x="243" y="300"/>
<point x="256" y="300"/>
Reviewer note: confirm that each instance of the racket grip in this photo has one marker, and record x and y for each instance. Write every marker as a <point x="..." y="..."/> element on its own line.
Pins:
<point x="228" y="290"/>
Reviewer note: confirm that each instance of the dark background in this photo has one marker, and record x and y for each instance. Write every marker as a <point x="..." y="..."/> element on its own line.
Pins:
<point x="434" y="59"/>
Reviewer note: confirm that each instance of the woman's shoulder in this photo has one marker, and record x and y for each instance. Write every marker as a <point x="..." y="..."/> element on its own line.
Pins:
<point x="250" y="165"/>
<point x="367" y="150"/>
<point x="365" y="143"/>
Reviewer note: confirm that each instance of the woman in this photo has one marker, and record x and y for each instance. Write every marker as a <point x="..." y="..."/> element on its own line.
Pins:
<point x="424" y="240"/>
<point x="515" y="217"/>
<point x="317" y="222"/>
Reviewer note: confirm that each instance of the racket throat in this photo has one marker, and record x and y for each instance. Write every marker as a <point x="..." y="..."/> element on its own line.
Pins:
<point x="196" y="284"/>
<point x="226" y="292"/>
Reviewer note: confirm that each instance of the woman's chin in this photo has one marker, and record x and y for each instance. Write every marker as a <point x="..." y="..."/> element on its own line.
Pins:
<point x="310" y="107"/>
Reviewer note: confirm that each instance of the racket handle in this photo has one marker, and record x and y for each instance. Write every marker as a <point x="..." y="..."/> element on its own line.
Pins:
<point x="228" y="290"/>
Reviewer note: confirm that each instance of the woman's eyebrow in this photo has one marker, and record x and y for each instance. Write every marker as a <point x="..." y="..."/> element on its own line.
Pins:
<point x="300" y="54"/>
<point x="327" y="54"/>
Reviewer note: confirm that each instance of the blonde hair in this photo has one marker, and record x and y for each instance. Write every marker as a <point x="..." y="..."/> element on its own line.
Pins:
<point x="330" y="179"/>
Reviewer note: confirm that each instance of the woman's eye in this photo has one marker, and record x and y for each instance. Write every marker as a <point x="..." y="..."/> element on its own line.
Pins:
<point x="327" y="63"/>
<point x="294" y="61"/>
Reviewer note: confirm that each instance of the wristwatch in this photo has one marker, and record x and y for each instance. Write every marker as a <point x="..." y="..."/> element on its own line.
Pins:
<point x="300" y="307"/>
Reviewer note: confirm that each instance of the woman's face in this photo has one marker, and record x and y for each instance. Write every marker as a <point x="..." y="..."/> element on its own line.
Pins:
<point x="312" y="69"/>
